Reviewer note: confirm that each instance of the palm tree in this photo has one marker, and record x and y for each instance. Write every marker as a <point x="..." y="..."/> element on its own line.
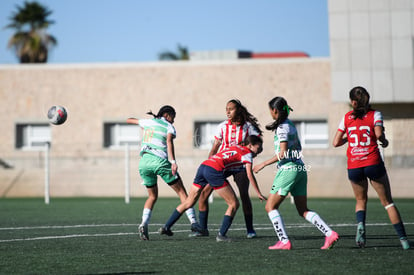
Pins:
<point x="31" y="43"/>
<point x="181" y="54"/>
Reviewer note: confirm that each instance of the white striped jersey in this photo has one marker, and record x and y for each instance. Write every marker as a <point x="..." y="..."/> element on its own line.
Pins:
<point x="231" y="135"/>
<point x="154" y="136"/>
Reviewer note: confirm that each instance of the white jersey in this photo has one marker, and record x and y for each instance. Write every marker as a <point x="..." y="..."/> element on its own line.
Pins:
<point x="286" y="131"/>
<point x="231" y="135"/>
<point x="154" y="137"/>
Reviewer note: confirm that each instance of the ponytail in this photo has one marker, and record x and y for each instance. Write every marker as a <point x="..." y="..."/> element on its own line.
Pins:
<point x="361" y="96"/>
<point x="283" y="109"/>
<point x="166" y="109"/>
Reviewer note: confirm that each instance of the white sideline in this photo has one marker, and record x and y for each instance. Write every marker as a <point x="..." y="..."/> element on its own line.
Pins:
<point x="235" y="227"/>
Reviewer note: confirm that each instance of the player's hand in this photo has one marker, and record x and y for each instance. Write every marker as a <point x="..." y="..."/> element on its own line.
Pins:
<point x="384" y="143"/>
<point x="258" y="167"/>
<point x="174" y="168"/>
<point x="262" y="198"/>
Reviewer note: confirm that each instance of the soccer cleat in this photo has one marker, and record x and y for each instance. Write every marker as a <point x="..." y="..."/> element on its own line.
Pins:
<point x="251" y="235"/>
<point x="405" y="243"/>
<point x="200" y="233"/>
<point x="195" y="227"/>
<point x="330" y="241"/>
<point x="221" y="238"/>
<point x="143" y="232"/>
<point x="165" y="231"/>
<point x="360" y="237"/>
<point x="281" y="246"/>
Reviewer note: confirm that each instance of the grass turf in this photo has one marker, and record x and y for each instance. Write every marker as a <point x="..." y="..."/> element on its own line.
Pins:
<point x="99" y="236"/>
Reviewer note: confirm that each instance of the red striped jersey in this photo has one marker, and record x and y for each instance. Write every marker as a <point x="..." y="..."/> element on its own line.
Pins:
<point x="230" y="134"/>
<point x="362" y="142"/>
<point x="232" y="157"/>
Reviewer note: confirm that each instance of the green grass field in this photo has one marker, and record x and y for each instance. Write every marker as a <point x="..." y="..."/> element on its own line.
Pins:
<point x="99" y="236"/>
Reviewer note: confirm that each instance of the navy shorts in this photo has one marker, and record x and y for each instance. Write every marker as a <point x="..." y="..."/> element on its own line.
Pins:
<point x="208" y="175"/>
<point x="372" y="172"/>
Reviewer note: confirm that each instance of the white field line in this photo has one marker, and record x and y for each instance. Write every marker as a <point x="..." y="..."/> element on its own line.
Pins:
<point x="235" y="227"/>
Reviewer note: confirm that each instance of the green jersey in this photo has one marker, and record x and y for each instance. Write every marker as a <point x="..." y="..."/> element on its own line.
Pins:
<point x="154" y="136"/>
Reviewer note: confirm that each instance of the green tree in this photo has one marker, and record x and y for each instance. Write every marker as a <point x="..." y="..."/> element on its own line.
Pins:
<point x="181" y="54"/>
<point x="31" y="42"/>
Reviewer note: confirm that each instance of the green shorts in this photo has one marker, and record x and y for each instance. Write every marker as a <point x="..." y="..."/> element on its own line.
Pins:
<point x="293" y="179"/>
<point x="151" y="166"/>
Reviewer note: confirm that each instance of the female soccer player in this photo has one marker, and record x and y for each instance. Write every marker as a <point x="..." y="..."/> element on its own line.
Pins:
<point x="291" y="177"/>
<point x="240" y="125"/>
<point x="157" y="147"/>
<point x="214" y="172"/>
<point x="361" y="128"/>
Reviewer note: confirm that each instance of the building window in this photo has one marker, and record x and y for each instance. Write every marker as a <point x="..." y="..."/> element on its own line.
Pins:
<point x="313" y="133"/>
<point x="32" y="136"/>
<point x="204" y="132"/>
<point x="117" y="135"/>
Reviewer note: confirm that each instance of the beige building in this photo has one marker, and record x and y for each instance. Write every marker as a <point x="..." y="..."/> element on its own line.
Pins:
<point x="87" y="153"/>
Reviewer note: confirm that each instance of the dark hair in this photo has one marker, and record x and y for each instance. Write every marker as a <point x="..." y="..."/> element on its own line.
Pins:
<point x="166" y="109"/>
<point x="253" y="140"/>
<point x="244" y="115"/>
<point x="361" y="96"/>
<point x="280" y="104"/>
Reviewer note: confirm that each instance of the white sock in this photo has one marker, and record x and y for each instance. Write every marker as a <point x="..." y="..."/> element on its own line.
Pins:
<point x="314" y="219"/>
<point x="146" y="216"/>
<point x="191" y="215"/>
<point x="278" y="225"/>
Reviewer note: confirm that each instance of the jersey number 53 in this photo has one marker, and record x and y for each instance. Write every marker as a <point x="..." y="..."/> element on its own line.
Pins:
<point x="353" y="137"/>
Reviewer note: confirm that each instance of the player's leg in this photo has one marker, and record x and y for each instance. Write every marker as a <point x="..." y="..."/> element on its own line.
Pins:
<point x="147" y="166"/>
<point x="299" y="192"/>
<point x="243" y="184"/>
<point x="188" y="203"/>
<point x="273" y="202"/>
<point x="179" y="188"/>
<point x="147" y="212"/>
<point x="331" y="237"/>
<point x="227" y="193"/>
<point x="175" y="182"/>
<point x="150" y="202"/>
<point x="203" y="208"/>
<point x="359" y="185"/>
<point x="383" y="189"/>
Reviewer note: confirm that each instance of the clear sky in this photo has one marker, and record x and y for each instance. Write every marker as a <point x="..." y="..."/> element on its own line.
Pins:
<point x="90" y="31"/>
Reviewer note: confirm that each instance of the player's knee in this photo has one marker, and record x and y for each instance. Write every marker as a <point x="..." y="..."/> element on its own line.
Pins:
<point x="152" y="197"/>
<point x="234" y="205"/>
<point x="237" y="204"/>
<point x="188" y="203"/>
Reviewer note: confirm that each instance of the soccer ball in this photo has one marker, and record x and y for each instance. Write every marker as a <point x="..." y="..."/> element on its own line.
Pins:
<point x="57" y="115"/>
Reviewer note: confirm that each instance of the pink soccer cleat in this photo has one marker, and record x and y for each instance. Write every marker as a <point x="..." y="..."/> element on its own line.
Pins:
<point x="330" y="241"/>
<point x="281" y="246"/>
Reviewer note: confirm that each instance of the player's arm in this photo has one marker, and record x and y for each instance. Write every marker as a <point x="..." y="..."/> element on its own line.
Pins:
<point x="253" y="181"/>
<point x="132" y="120"/>
<point x="380" y="134"/>
<point x="171" y="153"/>
<point x="339" y="139"/>
<point x="214" y="148"/>
<point x="275" y="158"/>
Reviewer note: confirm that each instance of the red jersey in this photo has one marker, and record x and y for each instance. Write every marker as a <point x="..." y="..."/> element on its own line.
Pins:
<point x="230" y="134"/>
<point x="233" y="157"/>
<point x="362" y="142"/>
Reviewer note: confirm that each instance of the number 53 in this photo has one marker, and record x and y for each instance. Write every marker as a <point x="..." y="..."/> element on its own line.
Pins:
<point x="353" y="138"/>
